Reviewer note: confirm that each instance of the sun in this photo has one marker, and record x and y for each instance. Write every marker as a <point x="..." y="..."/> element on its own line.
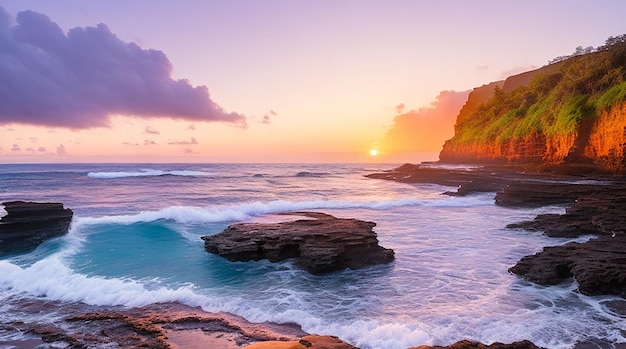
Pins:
<point x="373" y="152"/>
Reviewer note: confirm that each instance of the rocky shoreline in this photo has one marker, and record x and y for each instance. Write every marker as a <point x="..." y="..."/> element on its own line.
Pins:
<point x="165" y="326"/>
<point x="596" y="206"/>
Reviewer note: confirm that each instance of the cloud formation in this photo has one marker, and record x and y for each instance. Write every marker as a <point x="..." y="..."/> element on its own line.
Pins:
<point x="149" y="130"/>
<point x="77" y="80"/>
<point x="192" y="141"/>
<point x="426" y="129"/>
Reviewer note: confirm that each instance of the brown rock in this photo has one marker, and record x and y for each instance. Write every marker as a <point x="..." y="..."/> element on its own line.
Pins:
<point x="320" y="245"/>
<point x="465" y="344"/>
<point x="311" y="341"/>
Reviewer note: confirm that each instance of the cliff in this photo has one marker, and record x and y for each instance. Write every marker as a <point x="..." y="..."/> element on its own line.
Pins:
<point x="572" y="112"/>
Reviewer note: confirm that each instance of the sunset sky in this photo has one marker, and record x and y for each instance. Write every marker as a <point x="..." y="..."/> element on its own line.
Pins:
<point x="265" y="81"/>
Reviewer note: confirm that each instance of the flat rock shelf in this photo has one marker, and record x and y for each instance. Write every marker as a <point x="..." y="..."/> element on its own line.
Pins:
<point x="320" y="245"/>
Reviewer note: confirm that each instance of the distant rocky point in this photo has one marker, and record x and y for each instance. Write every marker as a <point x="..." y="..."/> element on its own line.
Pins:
<point x="319" y="245"/>
<point x="25" y="225"/>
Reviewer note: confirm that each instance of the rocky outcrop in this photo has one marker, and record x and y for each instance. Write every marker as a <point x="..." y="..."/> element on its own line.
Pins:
<point x="28" y="224"/>
<point x="598" y="265"/>
<point x="319" y="245"/>
<point x="155" y="326"/>
<point x="597" y="208"/>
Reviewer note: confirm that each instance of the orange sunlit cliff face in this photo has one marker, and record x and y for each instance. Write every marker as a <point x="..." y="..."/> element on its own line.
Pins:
<point x="426" y="129"/>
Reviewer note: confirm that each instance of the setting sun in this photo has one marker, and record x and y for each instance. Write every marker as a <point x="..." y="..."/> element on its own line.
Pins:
<point x="373" y="152"/>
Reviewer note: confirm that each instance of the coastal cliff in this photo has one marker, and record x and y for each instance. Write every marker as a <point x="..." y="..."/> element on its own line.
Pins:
<point x="572" y="112"/>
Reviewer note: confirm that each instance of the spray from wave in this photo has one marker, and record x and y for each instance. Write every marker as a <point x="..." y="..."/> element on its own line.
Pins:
<point x="197" y="215"/>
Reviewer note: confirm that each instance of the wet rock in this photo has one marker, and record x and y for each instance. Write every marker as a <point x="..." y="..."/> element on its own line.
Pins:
<point x="28" y="224"/>
<point x="320" y="245"/>
<point x="598" y="265"/>
<point x="465" y="344"/>
<point x="311" y="341"/>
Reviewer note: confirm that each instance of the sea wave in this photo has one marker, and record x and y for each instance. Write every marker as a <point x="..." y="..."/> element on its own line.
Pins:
<point x="312" y="174"/>
<point x="198" y="215"/>
<point x="50" y="278"/>
<point x="147" y="173"/>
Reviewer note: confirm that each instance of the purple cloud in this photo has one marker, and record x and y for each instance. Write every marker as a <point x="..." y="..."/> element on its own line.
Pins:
<point x="76" y="80"/>
<point x="192" y="141"/>
<point x="149" y="130"/>
<point x="41" y="150"/>
<point x="266" y="120"/>
<point x="16" y="147"/>
<point x="149" y="142"/>
<point x="61" y="150"/>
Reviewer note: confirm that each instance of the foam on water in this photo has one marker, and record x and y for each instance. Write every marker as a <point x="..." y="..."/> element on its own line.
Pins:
<point x="3" y="212"/>
<point x="197" y="215"/>
<point x="147" y="173"/>
<point x="449" y="280"/>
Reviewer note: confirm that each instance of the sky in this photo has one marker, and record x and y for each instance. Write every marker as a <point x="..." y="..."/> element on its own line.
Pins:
<point x="265" y="81"/>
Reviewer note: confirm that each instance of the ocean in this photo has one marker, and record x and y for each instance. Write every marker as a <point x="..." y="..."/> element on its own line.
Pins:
<point x="135" y="240"/>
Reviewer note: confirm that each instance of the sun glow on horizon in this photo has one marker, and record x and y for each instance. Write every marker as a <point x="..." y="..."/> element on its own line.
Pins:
<point x="373" y="152"/>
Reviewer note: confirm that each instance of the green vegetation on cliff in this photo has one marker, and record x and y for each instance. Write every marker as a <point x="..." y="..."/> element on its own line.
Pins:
<point x="554" y="102"/>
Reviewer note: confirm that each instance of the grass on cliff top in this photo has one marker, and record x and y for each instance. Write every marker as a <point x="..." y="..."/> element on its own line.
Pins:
<point x="550" y="105"/>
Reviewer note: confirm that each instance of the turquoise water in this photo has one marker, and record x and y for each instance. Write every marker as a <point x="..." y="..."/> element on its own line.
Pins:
<point x="135" y="240"/>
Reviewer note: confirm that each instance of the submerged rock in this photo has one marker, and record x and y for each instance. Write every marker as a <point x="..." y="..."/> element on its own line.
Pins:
<point x="27" y="224"/>
<point x="320" y="245"/>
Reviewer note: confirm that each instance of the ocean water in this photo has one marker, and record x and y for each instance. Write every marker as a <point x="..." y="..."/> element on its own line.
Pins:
<point x="135" y="240"/>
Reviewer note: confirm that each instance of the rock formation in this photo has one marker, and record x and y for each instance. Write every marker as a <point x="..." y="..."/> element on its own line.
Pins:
<point x="598" y="265"/>
<point x="572" y="112"/>
<point x="28" y="224"/>
<point x="311" y="342"/>
<point x="320" y="245"/>
<point x="465" y="344"/>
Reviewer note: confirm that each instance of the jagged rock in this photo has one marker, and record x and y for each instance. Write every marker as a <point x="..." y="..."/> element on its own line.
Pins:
<point x="321" y="245"/>
<point x="28" y="224"/>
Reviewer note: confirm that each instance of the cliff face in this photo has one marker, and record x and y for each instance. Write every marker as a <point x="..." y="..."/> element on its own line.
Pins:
<point x="607" y="140"/>
<point x="572" y="112"/>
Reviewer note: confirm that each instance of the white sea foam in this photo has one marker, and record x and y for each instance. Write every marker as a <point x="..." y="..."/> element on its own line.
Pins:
<point x="147" y="173"/>
<point x="3" y="212"/>
<point x="51" y="279"/>
<point x="197" y="215"/>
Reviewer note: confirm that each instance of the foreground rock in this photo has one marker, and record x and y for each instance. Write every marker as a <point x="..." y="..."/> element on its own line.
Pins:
<point x="311" y="342"/>
<point x="156" y="326"/>
<point x="320" y="245"/>
<point x="28" y="224"/>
